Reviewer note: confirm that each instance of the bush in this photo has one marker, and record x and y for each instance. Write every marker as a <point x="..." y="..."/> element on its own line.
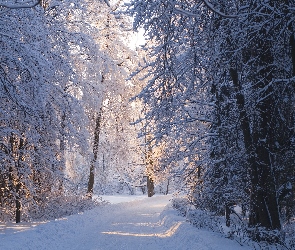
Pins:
<point x="58" y="207"/>
<point x="239" y="230"/>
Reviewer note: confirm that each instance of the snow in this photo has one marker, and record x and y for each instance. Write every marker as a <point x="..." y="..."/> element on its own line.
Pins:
<point x="114" y="199"/>
<point x="133" y="222"/>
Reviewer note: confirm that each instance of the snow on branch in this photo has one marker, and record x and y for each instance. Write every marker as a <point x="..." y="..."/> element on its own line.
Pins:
<point x="19" y="4"/>
<point x="107" y="3"/>
<point x="210" y="6"/>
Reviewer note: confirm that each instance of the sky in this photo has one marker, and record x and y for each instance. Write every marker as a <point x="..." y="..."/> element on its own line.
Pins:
<point x="137" y="39"/>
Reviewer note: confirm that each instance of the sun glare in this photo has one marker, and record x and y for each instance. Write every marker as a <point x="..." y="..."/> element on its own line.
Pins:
<point x="170" y="232"/>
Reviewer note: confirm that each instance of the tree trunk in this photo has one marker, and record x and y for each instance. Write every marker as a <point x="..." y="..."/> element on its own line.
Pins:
<point x="19" y="184"/>
<point x="227" y="215"/>
<point x="149" y="166"/>
<point x="263" y="201"/>
<point x="264" y="204"/>
<point x="95" y="153"/>
<point x="62" y="149"/>
<point x="17" y="204"/>
<point x="292" y="45"/>
<point x="150" y="186"/>
<point x="167" y="187"/>
<point x="17" y="146"/>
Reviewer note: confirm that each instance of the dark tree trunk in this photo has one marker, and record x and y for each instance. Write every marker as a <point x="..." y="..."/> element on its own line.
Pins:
<point x="264" y="206"/>
<point x="18" y="185"/>
<point x="167" y="187"/>
<point x="150" y="186"/>
<point x="95" y="154"/>
<point x="227" y="215"/>
<point x="17" y="204"/>
<point x="292" y="45"/>
<point x="149" y="167"/>
<point x="17" y="147"/>
<point x="263" y="201"/>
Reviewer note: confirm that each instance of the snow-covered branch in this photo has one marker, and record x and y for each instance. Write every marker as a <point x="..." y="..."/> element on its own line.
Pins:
<point x="20" y="5"/>
<point x="209" y="5"/>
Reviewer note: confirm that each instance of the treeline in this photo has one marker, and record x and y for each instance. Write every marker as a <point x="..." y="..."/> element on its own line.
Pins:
<point x="63" y="70"/>
<point x="220" y="101"/>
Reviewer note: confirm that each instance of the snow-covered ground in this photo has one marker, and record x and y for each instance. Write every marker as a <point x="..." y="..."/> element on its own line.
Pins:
<point x="114" y="199"/>
<point x="143" y="223"/>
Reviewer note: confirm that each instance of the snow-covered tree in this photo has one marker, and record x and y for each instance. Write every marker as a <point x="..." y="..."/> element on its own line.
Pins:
<point x="221" y="90"/>
<point x="31" y="101"/>
<point x="102" y="63"/>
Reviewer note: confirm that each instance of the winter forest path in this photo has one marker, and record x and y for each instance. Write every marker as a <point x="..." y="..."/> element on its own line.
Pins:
<point x="149" y="224"/>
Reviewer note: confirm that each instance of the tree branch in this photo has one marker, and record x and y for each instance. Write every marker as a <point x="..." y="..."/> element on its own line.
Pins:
<point x="210" y="6"/>
<point x="20" y="5"/>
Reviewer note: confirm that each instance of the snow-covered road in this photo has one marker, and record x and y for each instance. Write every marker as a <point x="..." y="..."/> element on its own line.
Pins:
<point x="148" y="224"/>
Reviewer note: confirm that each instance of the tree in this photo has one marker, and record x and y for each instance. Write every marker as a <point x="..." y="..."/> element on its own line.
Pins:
<point x="37" y="103"/>
<point x="225" y="66"/>
<point x="103" y="62"/>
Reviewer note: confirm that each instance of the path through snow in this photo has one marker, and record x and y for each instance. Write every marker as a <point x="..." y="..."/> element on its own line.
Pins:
<point x="147" y="224"/>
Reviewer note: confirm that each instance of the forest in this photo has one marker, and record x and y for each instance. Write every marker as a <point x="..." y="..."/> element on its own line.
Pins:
<point x="205" y="109"/>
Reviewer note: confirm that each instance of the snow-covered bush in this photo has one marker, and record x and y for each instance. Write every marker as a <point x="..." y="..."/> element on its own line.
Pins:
<point x="53" y="208"/>
<point x="289" y="230"/>
<point x="238" y="230"/>
<point x="199" y="218"/>
<point x="59" y="207"/>
<point x="180" y="204"/>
